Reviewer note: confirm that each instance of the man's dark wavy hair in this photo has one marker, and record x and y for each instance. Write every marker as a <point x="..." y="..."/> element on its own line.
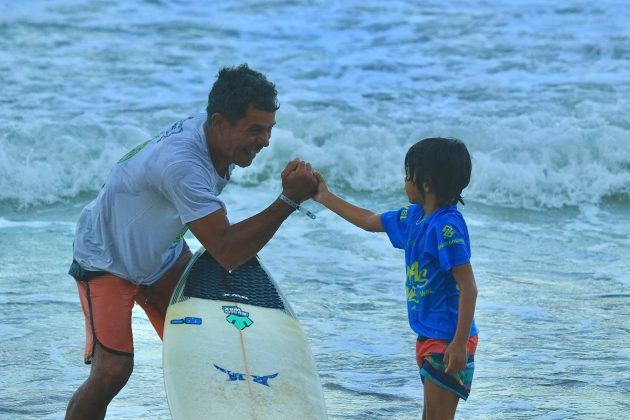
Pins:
<point x="444" y="163"/>
<point x="238" y="87"/>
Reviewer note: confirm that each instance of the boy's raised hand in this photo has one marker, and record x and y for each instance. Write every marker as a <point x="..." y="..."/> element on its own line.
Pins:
<point x="322" y="188"/>
<point x="363" y="218"/>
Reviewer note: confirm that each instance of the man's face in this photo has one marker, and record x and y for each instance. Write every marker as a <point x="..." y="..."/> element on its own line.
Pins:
<point x="251" y="133"/>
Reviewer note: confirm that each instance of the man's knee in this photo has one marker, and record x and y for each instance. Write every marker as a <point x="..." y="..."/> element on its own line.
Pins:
<point x="117" y="375"/>
<point x="110" y="371"/>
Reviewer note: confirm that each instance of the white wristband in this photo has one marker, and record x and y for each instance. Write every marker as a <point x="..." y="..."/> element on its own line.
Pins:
<point x="296" y="206"/>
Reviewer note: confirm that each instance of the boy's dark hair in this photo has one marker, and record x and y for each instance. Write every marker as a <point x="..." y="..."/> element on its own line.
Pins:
<point x="444" y="163"/>
<point x="238" y="87"/>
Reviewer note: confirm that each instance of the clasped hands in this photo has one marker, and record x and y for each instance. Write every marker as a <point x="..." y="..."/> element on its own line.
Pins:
<point x="299" y="180"/>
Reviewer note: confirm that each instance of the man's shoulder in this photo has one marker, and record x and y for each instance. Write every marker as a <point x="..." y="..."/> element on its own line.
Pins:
<point x="188" y="128"/>
<point x="184" y="141"/>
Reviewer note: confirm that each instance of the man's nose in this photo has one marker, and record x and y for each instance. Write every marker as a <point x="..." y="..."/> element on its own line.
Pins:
<point x="263" y="139"/>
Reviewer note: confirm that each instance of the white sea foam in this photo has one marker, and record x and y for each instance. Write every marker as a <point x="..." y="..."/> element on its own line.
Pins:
<point x="44" y="161"/>
<point x="31" y="224"/>
<point x="516" y="162"/>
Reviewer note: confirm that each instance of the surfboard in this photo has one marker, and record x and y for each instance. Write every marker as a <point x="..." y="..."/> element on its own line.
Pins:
<point x="234" y="349"/>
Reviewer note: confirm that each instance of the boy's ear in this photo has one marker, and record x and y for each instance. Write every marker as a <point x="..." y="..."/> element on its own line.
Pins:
<point x="426" y="186"/>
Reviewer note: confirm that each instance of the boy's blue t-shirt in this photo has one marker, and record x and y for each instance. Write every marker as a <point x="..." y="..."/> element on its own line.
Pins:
<point x="433" y="246"/>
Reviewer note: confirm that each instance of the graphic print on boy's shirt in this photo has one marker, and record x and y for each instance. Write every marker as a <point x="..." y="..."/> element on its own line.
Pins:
<point x="433" y="246"/>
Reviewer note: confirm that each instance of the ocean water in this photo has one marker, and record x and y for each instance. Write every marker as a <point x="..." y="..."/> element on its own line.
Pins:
<point x="539" y="91"/>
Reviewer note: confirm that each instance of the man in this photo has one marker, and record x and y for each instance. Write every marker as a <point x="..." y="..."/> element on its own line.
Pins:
<point x="129" y="245"/>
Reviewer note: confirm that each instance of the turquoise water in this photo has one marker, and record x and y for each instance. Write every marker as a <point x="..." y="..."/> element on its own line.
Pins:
<point x="539" y="93"/>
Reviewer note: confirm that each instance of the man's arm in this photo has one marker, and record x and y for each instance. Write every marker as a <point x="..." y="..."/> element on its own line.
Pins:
<point x="232" y="245"/>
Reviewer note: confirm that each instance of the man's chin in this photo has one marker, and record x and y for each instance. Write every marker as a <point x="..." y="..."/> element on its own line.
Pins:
<point x="244" y="163"/>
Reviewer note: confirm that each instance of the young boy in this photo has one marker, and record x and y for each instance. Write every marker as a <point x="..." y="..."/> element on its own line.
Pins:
<point x="440" y="287"/>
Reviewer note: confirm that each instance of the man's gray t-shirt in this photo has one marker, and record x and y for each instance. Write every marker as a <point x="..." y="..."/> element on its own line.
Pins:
<point x="135" y="226"/>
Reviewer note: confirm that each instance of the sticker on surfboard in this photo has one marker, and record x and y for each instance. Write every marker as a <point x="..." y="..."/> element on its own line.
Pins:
<point x="233" y="376"/>
<point x="189" y="320"/>
<point x="237" y="317"/>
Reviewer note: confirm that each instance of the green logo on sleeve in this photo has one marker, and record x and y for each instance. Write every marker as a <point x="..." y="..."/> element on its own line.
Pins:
<point x="448" y="233"/>
<point x="133" y="152"/>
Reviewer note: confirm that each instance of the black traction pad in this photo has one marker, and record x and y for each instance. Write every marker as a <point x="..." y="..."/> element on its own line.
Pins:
<point x="249" y="283"/>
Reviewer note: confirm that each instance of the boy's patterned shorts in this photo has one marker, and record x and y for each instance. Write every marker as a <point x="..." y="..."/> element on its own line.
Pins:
<point x="430" y="357"/>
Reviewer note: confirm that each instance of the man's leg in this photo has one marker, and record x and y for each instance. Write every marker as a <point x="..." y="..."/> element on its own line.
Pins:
<point x="107" y="302"/>
<point x="154" y="299"/>
<point x="108" y="376"/>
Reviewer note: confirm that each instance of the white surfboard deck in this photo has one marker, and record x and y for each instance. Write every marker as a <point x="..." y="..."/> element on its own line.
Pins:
<point x="233" y="348"/>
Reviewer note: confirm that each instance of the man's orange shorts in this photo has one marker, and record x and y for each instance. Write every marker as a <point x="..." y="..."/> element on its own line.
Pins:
<point x="108" y="300"/>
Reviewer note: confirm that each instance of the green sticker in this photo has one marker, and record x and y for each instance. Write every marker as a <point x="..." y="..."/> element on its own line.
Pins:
<point x="237" y="317"/>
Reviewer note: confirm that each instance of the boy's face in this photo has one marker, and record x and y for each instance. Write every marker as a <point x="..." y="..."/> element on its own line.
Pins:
<point x="412" y="192"/>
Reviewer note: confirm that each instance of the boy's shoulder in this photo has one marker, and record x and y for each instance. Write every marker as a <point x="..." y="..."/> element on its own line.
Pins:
<point x="449" y="230"/>
<point x="448" y="215"/>
<point x="411" y="211"/>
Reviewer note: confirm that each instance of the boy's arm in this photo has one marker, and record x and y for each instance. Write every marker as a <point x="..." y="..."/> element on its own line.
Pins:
<point x="455" y="356"/>
<point x="363" y="218"/>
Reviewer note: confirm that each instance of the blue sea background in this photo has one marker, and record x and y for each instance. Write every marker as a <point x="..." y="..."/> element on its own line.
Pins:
<point x="539" y="91"/>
